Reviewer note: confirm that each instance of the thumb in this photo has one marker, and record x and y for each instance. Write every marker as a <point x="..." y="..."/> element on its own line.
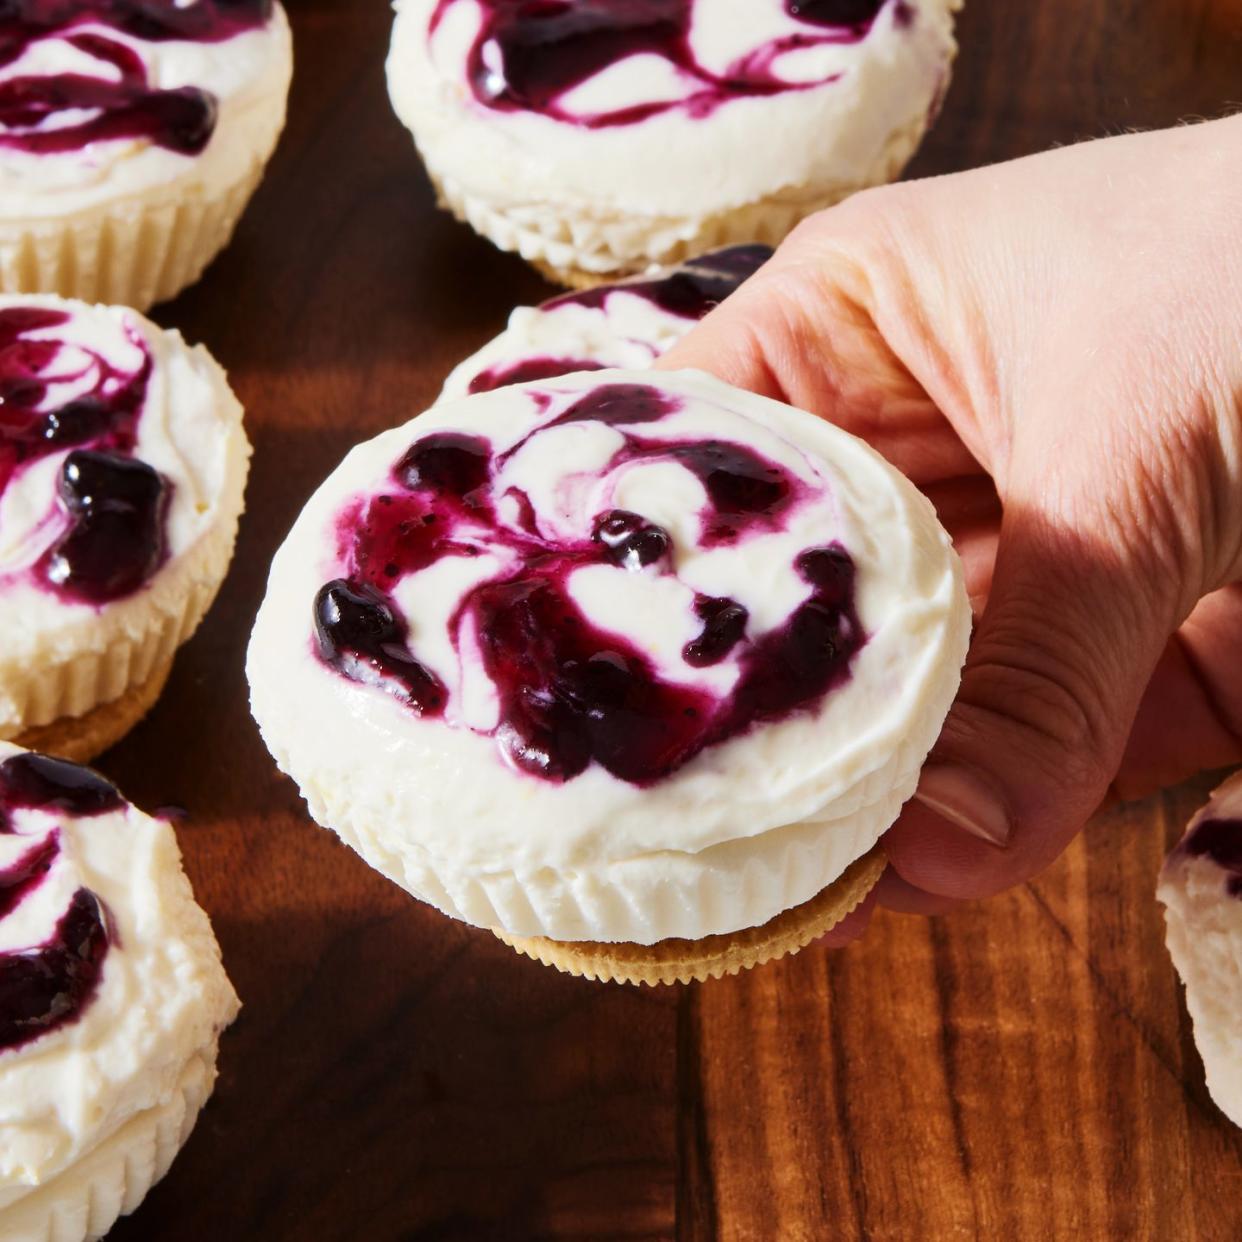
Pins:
<point x="1071" y="633"/>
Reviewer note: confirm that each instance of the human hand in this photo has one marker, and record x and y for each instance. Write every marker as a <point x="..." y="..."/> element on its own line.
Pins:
<point x="1052" y="350"/>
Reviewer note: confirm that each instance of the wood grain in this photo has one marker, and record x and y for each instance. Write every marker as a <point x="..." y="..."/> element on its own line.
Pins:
<point x="1019" y="1070"/>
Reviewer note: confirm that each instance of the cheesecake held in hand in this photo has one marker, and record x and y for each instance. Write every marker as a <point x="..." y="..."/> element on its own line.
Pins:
<point x="633" y="668"/>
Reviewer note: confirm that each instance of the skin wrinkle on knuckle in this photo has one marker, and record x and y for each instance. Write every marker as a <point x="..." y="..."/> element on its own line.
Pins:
<point x="1179" y="385"/>
<point x="1222" y="503"/>
<point x="1167" y="511"/>
<point x="1058" y="681"/>
<point x="1047" y="702"/>
<point x="1153" y="520"/>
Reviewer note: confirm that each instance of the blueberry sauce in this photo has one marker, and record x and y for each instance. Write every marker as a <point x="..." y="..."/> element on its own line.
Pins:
<point x="525" y="369"/>
<point x="116" y="539"/>
<point x="852" y="13"/>
<point x="571" y="692"/>
<point x="361" y="636"/>
<point x="630" y="541"/>
<point x="115" y="504"/>
<point x="26" y="874"/>
<point x="690" y="290"/>
<point x="453" y="464"/>
<point x="1221" y="841"/>
<point x="48" y="986"/>
<point x="120" y="101"/>
<point x="529" y="55"/>
<point x="39" y="782"/>
<point x="724" y="624"/>
<point x="619" y="405"/>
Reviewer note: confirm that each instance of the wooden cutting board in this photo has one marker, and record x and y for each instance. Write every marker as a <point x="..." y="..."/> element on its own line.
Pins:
<point x="1021" y="1069"/>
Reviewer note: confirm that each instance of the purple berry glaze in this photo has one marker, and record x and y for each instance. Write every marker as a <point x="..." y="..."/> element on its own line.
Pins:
<point x="724" y="625"/>
<point x="529" y="54"/>
<point x="570" y="692"/>
<point x="26" y="874"/>
<point x="116" y="504"/>
<point x="49" y="986"/>
<point x="690" y="290"/>
<point x="39" y="782"/>
<point x="1221" y="841"/>
<point x="618" y="405"/>
<point x="858" y="14"/>
<point x="124" y="105"/>
<point x="505" y="373"/>
<point x="115" y="542"/>
<point x="630" y="541"/>
<point x="362" y="637"/>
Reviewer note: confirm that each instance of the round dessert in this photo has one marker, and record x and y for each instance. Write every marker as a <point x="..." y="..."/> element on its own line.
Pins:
<point x="1201" y="889"/>
<point x="132" y="135"/>
<point x="122" y="467"/>
<point x="628" y="663"/>
<point x="628" y="325"/>
<point x="599" y="138"/>
<point x="112" y="1000"/>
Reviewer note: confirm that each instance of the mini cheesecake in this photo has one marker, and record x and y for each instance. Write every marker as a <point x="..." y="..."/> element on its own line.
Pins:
<point x="132" y="135"/>
<point x="122" y="467"/>
<point x="625" y="666"/>
<point x="112" y="1000"/>
<point x="628" y="324"/>
<point x="598" y="139"/>
<point x="1201" y="889"/>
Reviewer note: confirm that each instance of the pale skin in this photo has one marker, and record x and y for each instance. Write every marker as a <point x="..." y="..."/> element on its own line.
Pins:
<point x="1052" y="350"/>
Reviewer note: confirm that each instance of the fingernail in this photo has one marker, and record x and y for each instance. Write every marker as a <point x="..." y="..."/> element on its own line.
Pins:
<point x="963" y="798"/>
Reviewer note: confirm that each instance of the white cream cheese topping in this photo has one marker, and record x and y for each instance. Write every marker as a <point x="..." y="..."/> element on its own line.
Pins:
<point x="189" y="429"/>
<point x="1201" y="889"/>
<point x="248" y="76"/>
<point x="675" y="162"/>
<point x="162" y="997"/>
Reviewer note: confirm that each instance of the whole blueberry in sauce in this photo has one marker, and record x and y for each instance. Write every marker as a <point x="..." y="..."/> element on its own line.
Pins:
<point x="573" y="691"/>
<point x="115" y="541"/>
<point x="446" y="463"/>
<point x="724" y="624"/>
<point x="528" y="55"/>
<point x="629" y="540"/>
<point x="41" y="782"/>
<point x="359" y="633"/>
<point x="41" y="114"/>
<point x="116" y="505"/>
<point x="49" y="985"/>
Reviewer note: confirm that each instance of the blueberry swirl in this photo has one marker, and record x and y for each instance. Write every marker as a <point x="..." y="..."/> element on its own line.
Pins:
<point x="60" y="397"/>
<point x="104" y="94"/>
<point x="48" y="985"/>
<point x="569" y="688"/>
<point x="530" y="57"/>
<point x="550" y="340"/>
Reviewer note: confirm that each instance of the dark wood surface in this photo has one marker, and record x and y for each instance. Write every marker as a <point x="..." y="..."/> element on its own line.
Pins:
<point x="1021" y="1069"/>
